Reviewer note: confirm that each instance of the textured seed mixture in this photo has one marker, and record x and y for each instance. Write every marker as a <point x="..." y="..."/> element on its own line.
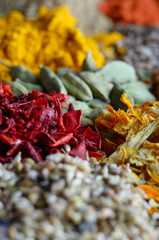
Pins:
<point x="68" y="198"/>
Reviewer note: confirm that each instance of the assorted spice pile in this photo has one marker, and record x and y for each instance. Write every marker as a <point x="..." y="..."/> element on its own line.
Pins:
<point x="142" y="12"/>
<point x="90" y="89"/>
<point x="68" y="198"/>
<point x="60" y="152"/>
<point x="52" y="39"/>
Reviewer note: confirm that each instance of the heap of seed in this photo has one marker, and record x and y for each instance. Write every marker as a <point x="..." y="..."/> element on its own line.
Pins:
<point x="142" y="46"/>
<point x="68" y="198"/>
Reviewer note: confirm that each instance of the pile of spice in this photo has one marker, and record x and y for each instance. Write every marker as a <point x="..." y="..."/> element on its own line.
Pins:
<point x="68" y="198"/>
<point x="142" y="12"/>
<point x="141" y="44"/>
<point x="133" y="137"/>
<point x="90" y="89"/>
<point x="52" y="39"/>
<point x="33" y="124"/>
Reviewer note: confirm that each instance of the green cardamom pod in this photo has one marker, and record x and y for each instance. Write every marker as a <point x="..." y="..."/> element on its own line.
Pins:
<point x="63" y="70"/>
<point x="83" y="106"/>
<point x="50" y="81"/>
<point x="17" y="88"/>
<point x="71" y="99"/>
<point x="30" y="86"/>
<point x="85" y="120"/>
<point x="99" y="88"/>
<point x="88" y="63"/>
<point x="139" y="92"/>
<point x="97" y="103"/>
<point x="117" y="72"/>
<point x="115" y="95"/>
<point x="22" y="73"/>
<point x="77" y="87"/>
<point x="94" y="113"/>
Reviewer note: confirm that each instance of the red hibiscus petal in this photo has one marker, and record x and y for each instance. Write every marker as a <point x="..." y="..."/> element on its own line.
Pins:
<point x="79" y="150"/>
<point x="72" y="120"/>
<point x="63" y="140"/>
<point x="95" y="154"/>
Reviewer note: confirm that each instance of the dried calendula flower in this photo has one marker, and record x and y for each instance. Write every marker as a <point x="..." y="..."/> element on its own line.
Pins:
<point x="152" y="192"/>
<point x="133" y="137"/>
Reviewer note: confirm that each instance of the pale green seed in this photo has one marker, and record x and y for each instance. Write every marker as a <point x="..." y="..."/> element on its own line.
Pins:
<point x="99" y="88"/>
<point x="88" y="63"/>
<point x="115" y="96"/>
<point x="17" y="88"/>
<point x="30" y="86"/>
<point x="50" y="81"/>
<point x="139" y="92"/>
<point x="117" y="72"/>
<point x="77" y="87"/>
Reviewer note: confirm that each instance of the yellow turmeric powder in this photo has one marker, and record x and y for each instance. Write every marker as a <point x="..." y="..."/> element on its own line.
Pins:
<point x="52" y="39"/>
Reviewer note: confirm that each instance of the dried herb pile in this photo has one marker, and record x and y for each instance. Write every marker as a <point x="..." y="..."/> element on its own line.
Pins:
<point x="133" y="137"/>
<point x="52" y="39"/>
<point x="68" y="198"/>
<point x="33" y="124"/>
<point x="142" y="12"/>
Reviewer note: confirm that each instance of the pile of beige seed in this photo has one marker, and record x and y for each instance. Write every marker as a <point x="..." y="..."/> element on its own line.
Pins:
<point x="68" y="198"/>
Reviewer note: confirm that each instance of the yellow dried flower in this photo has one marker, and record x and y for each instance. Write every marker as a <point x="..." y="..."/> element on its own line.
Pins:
<point x="132" y="137"/>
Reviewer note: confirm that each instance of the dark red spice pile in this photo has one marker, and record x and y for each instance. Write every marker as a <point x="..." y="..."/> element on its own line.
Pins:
<point x="33" y="124"/>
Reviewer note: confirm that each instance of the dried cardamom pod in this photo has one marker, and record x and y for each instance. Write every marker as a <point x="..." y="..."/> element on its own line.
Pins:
<point x="94" y="113"/>
<point x="83" y="106"/>
<point x="50" y="81"/>
<point x="97" y="103"/>
<point x="77" y="87"/>
<point x="17" y="88"/>
<point x="99" y="88"/>
<point x="117" y="72"/>
<point x="63" y="70"/>
<point x="22" y="73"/>
<point x="89" y="63"/>
<point x="30" y="86"/>
<point x="115" y="95"/>
<point x="85" y="120"/>
<point x="139" y="92"/>
<point x="71" y="99"/>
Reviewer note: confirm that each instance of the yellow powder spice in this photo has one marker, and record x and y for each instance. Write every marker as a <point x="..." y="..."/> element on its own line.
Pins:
<point x="52" y="39"/>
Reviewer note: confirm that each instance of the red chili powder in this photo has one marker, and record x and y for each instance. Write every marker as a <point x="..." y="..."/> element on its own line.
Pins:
<point x="142" y="12"/>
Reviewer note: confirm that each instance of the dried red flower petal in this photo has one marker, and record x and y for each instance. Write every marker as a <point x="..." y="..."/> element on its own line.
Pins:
<point x="79" y="150"/>
<point x="34" y="125"/>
